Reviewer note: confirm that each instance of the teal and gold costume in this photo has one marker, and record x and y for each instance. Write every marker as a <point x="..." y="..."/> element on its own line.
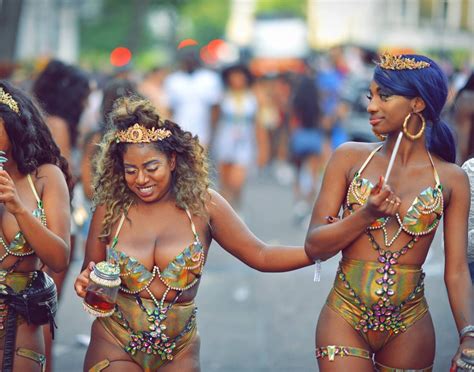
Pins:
<point x="19" y="281"/>
<point x="383" y="298"/>
<point x="153" y="331"/>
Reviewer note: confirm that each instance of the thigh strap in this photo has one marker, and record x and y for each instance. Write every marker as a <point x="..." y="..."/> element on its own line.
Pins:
<point x="32" y="355"/>
<point x="381" y="368"/>
<point x="331" y="351"/>
<point x="103" y="364"/>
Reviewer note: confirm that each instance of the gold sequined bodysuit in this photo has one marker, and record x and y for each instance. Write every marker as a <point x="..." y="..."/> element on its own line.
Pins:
<point x="153" y="331"/>
<point x="380" y="299"/>
<point x="18" y="281"/>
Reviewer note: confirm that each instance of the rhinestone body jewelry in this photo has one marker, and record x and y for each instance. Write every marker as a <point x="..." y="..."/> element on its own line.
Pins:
<point x="3" y="159"/>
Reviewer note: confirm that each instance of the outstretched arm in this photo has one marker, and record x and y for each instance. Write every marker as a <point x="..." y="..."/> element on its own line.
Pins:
<point x="456" y="272"/>
<point x="235" y="237"/>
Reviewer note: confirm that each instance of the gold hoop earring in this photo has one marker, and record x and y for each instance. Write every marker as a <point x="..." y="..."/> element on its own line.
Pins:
<point x="414" y="137"/>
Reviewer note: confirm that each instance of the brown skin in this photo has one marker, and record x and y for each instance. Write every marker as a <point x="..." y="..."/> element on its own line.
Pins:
<point x="49" y="243"/>
<point x="159" y="243"/>
<point x="410" y="175"/>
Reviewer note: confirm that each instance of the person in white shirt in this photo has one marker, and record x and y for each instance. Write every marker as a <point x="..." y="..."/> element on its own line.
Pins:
<point x="194" y="94"/>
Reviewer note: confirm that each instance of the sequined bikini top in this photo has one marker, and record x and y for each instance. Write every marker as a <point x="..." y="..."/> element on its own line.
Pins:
<point x="423" y="215"/>
<point x="182" y="273"/>
<point x="18" y="246"/>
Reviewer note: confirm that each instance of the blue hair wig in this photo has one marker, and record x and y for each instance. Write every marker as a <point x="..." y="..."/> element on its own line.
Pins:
<point x="430" y="84"/>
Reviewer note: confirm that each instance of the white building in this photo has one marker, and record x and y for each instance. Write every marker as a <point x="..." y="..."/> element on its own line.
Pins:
<point x="49" y="28"/>
<point x="417" y="24"/>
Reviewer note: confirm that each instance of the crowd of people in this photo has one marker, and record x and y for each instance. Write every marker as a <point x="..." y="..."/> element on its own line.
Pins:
<point x="126" y="151"/>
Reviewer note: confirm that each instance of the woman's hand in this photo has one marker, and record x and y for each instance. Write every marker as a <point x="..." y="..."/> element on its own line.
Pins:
<point x="467" y="343"/>
<point x="382" y="202"/>
<point x="82" y="280"/>
<point x="8" y="194"/>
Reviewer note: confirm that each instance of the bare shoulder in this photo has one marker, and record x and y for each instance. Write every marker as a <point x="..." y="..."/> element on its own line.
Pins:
<point x="449" y="173"/>
<point x="215" y="201"/>
<point x="49" y="173"/>
<point x="359" y="149"/>
<point x="50" y="176"/>
<point x="452" y="176"/>
<point x="352" y="154"/>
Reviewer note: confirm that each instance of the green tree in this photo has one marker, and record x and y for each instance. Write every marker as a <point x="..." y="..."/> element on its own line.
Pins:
<point x="208" y="19"/>
<point x="290" y="7"/>
<point x="124" y="23"/>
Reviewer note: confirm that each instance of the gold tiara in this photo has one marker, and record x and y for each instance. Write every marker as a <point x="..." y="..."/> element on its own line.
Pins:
<point x="391" y="62"/>
<point x="8" y="100"/>
<point x="139" y="134"/>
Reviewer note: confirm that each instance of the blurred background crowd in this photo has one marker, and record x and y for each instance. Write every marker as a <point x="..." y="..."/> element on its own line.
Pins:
<point x="271" y="87"/>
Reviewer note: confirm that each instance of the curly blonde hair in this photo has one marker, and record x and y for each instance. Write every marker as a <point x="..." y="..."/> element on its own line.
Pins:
<point x="190" y="179"/>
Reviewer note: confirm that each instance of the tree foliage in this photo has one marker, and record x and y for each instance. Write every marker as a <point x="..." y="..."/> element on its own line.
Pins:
<point x="124" y="23"/>
<point x="208" y="19"/>
<point x="290" y="7"/>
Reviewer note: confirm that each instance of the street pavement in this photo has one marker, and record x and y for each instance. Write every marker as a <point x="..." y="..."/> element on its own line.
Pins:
<point x="259" y="322"/>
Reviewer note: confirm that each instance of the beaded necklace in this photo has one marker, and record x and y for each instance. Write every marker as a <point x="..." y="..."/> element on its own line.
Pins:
<point x="417" y="221"/>
<point x="156" y="341"/>
<point x="383" y="314"/>
<point x="15" y="248"/>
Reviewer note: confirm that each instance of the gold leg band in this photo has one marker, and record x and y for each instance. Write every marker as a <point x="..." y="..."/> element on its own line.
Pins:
<point x="32" y="355"/>
<point x="381" y="368"/>
<point x="100" y="366"/>
<point x="331" y="351"/>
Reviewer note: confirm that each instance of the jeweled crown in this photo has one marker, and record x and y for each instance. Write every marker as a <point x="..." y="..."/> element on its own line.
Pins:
<point x="139" y="134"/>
<point x="391" y="62"/>
<point x="8" y="100"/>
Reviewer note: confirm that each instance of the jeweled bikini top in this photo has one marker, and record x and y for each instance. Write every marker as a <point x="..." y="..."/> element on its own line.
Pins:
<point x="423" y="215"/>
<point x="18" y="246"/>
<point x="182" y="273"/>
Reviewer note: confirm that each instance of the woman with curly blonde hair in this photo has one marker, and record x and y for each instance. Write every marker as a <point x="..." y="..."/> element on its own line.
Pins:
<point x="152" y="198"/>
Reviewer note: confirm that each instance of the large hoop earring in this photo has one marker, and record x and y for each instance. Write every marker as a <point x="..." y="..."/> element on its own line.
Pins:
<point x="414" y="137"/>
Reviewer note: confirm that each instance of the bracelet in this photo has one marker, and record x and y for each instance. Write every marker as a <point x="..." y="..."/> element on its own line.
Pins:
<point x="467" y="329"/>
<point x="467" y="334"/>
<point x="466" y="366"/>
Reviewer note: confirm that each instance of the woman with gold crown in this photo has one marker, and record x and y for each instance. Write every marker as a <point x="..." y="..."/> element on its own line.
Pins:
<point x="155" y="218"/>
<point x="376" y="315"/>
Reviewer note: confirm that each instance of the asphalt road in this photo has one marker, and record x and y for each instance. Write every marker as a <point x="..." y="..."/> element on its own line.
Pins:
<point x="259" y="322"/>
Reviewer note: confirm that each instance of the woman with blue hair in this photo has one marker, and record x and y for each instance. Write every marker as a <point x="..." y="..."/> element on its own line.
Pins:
<point x="376" y="315"/>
